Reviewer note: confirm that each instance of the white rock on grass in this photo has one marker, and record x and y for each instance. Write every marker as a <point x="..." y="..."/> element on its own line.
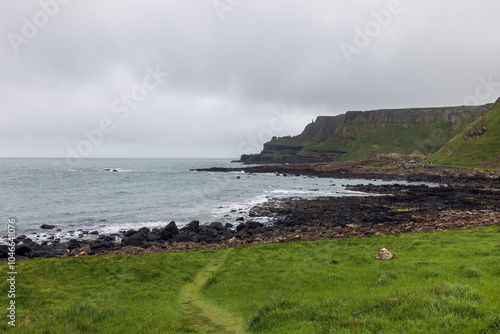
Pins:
<point x="384" y="254"/>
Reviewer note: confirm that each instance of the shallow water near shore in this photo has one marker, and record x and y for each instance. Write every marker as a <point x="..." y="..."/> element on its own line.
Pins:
<point x="112" y="195"/>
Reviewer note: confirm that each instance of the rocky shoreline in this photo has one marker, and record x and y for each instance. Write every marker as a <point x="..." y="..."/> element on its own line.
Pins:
<point x="403" y="172"/>
<point x="465" y="201"/>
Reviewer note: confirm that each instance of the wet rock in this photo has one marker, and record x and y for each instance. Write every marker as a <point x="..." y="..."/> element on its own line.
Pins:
<point x="192" y="226"/>
<point x="47" y="226"/>
<point x="166" y="235"/>
<point x="129" y="233"/>
<point x="23" y="250"/>
<point x="182" y="237"/>
<point x="73" y="244"/>
<point x="137" y="239"/>
<point x="218" y="226"/>
<point x="154" y="236"/>
<point x="99" y="245"/>
<point x="4" y="251"/>
<point x="144" y="230"/>
<point x="171" y="228"/>
<point x="253" y="225"/>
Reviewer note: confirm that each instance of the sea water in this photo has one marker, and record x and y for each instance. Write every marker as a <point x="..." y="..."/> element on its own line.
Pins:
<point x="112" y="195"/>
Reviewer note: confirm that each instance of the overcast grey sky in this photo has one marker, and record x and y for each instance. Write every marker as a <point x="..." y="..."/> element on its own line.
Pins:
<point x="205" y="78"/>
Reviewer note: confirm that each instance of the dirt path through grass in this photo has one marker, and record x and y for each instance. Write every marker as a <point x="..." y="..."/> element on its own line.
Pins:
<point x="200" y="313"/>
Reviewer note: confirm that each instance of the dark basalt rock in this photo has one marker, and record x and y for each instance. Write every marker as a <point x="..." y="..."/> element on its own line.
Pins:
<point x="182" y="237"/>
<point x="171" y="228"/>
<point x="144" y="230"/>
<point x="47" y="226"/>
<point x="129" y="233"/>
<point x="23" y="250"/>
<point x="192" y="226"/>
<point x="218" y="226"/>
<point x="137" y="239"/>
<point x="4" y="251"/>
<point x="99" y="245"/>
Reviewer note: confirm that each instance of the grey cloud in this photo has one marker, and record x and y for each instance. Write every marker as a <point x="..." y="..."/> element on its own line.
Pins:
<point x="226" y="77"/>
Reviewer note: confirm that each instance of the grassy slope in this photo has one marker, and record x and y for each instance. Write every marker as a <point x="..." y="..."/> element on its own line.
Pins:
<point x="421" y="138"/>
<point x="444" y="282"/>
<point x="473" y="151"/>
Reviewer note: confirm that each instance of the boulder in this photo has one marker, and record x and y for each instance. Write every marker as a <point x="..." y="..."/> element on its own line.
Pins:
<point x="192" y="226"/>
<point x="47" y="226"/>
<point x="166" y="235"/>
<point x="4" y="251"/>
<point x="73" y="244"/>
<point x="154" y="236"/>
<point x="136" y="239"/>
<point x="172" y="228"/>
<point x="218" y="226"/>
<point x="183" y="238"/>
<point x="129" y="233"/>
<point x="384" y="254"/>
<point x="253" y="225"/>
<point x="144" y="230"/>
<point x="23" y="250"/>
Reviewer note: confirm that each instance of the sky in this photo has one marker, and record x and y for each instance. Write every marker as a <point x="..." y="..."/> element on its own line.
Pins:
<point x="218" y="78"/>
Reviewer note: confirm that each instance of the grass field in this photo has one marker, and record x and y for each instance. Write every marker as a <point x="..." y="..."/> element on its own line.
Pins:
<point x="443" y="282"/>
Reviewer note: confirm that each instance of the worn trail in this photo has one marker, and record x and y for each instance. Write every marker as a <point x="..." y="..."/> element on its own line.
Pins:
<point x="203" y="315"/>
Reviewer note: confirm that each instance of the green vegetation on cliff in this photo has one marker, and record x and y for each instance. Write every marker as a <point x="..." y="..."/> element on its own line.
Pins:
<point x="476" y="145"/>
<point x="359" y="135"/>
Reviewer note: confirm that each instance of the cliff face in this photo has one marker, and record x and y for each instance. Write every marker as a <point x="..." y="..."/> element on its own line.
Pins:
<point x="420" y="115"/>
<point x="322" y="128"/>
<point x="358" y="135"/>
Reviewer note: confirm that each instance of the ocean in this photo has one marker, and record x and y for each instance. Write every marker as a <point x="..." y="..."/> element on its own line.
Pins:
<point x="112" y="195"/>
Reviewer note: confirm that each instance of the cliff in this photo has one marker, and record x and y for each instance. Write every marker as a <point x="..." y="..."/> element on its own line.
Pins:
<point x="358" y="135"/>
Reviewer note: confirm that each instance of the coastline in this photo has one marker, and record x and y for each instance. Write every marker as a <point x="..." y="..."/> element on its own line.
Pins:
<point x="461" y="201"/>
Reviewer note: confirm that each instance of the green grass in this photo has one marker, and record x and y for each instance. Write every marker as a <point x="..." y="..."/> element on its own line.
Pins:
<point x="120" y="294"/>
<point x="443" y="282"/>
<point x="474" y="150"/>
<point x="446" y="282"/>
